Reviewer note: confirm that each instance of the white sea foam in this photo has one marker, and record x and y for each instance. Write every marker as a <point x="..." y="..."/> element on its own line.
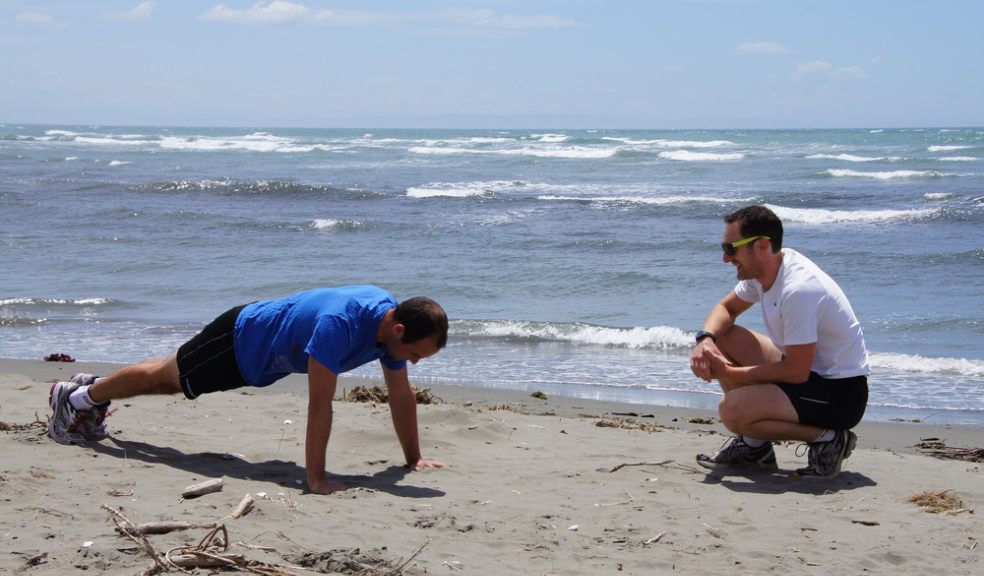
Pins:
<point x="823" y="216"/>
<point x="60" y="133"/>
<point x="938" y="195"/>
<point x="927" y="365"/>
<point x="457" y="189"/>
<point x="109" y="141"/>
<point x="663" y="143"/>
<point x="70" y="158"/>
<point x="947" y="148"/>
<point x="892" y="175"/>
<point x="653" y="200"/>
<point x="54" y="301"/>
<point x="688" y="156"/>
<point x="958" y="159"/>
<point x="853" y="158"/>
<point x="658" y="337"/>
<point x="323" y="224"/>
<point x="553" y="138"/>
<point x="119" y="162"/>
<point x="572" y="152"/>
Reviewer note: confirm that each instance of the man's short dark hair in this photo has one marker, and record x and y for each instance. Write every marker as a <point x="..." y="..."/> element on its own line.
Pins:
<point x="758" y="221"/>
<point x="422" y="318"/>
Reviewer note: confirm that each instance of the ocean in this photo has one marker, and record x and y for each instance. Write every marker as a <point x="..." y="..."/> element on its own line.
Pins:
<point x="574" y="262"/>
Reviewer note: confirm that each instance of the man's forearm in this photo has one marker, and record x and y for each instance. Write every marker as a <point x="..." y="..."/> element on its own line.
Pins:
<point x="316" y="443"/>
<point x="403" y="406"/>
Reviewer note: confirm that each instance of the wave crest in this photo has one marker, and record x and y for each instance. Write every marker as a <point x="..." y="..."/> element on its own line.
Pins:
<point x="654" y="338"/>
<point x="824" y="216"/>
<point x="917" y="364"/>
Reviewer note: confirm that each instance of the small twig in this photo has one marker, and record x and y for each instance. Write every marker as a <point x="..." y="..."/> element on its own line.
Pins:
<point x="629" y="501"/>
<point x="399" y="569"/>
<point x="620" y="466"/>
<point x="127" y="529"/>
<point x="866" y="522"/>
<point x="655" y="538"/>
<point x="37" y="558"/>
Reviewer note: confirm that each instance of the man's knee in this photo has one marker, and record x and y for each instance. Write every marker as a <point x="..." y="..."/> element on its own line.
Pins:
<point x="732" y="416"/>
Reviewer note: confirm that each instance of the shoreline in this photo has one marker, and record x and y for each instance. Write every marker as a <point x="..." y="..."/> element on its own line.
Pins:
<point x="533" y="486"/>
<point x="884" y="434"/>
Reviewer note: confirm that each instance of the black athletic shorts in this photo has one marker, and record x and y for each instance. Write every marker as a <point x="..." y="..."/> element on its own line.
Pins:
<point x="207" y="362"/>
<point x="834" y="404"/>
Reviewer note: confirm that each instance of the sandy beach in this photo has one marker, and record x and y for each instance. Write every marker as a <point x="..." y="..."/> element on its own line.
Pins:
<point x="534" y="486"/>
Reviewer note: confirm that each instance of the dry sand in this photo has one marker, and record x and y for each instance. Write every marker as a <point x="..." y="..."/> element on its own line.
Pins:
<point x="543" y="490"/>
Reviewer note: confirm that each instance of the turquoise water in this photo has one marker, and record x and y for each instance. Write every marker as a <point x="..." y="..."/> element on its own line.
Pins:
<point x="576" y="262"/>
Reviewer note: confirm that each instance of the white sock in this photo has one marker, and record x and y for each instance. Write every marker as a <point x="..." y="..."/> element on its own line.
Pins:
<point x="825" y="436"/>
<point x="753" y="442"/>
<point x="80" y="399"/>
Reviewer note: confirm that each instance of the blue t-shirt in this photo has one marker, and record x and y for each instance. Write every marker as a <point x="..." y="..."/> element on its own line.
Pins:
<point x="335" y="326"/>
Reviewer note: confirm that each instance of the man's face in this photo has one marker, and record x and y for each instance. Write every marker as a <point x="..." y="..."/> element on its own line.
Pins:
<point x="413" y="352"/>
<point x="746" y="260"/>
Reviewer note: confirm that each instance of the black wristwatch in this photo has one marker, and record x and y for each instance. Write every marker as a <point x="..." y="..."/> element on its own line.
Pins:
<point x="705" y="334"/>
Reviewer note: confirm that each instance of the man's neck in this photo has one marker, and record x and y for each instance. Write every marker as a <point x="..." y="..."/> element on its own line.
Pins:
<point x="771" y="271"/>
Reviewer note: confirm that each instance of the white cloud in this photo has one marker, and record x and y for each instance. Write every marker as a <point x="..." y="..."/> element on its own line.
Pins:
<point x="762" y="47"/>
<point x="275" y="12"/>
<point x="141" y="11"/>
<point x="286" y="12"/>
<point x="824" y="68"/>
<point x="489" y="19"/>
<point x="35" y="18"/>
<point x="811" y="68"/>
<point x="849" y="72"/>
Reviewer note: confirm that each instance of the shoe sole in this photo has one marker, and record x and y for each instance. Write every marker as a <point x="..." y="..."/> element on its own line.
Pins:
<point x="852" y="442"/>
<point x="752" y="465"/>
<point x="55" y="402"/>
<point x="83" y="379"/>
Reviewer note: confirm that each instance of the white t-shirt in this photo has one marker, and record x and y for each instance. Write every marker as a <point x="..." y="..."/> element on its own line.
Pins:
<point x="806" y="306"/>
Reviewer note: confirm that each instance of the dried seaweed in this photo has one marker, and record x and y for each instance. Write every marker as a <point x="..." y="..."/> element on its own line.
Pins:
<point x="5" y="427"/>
<point x="379" y="395"/>
<point x="941" y="501"/>
<point x="938" y="449"/>
<point x="627" y="424"/>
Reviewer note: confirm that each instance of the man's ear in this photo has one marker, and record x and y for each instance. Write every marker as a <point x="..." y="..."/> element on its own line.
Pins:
<point x="398" y="330"/>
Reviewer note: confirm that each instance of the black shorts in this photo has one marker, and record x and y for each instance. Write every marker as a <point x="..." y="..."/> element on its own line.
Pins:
<point x="207" y="362"/>
<point x="834" y="404"/>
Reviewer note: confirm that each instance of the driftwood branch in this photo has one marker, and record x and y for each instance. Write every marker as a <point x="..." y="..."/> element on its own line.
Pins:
<point x="207" y="487"/>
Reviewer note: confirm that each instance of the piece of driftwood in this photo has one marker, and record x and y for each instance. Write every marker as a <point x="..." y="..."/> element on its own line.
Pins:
<point x="243" y="508"/>
<point x="207" y="487"/>
<point x="167" y="527"/>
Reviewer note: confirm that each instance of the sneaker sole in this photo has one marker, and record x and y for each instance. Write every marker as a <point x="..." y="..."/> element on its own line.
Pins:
<point x="852" y="442"/>
<point x="709" y="464"/>
<point x="54" y="402"/>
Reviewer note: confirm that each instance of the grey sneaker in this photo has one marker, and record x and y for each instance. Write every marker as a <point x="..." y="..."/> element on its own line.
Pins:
<point x="65" y="423"/>
<point x="825" y="458"/>
<point x="93" y="427"/>
<point x="736" y="454"/>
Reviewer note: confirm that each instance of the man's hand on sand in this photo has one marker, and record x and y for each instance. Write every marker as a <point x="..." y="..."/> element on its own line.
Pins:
<point x="425" y="463"/>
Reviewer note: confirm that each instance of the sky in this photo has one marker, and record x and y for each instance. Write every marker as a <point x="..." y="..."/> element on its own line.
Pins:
<point x="494" y="63"/>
